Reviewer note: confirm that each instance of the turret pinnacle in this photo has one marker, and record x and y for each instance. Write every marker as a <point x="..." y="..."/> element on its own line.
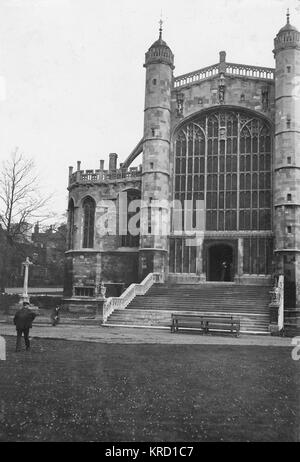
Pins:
<point x="287" y="37"/>
<point x="160" y="29"/>
<point x="160" y="52"/>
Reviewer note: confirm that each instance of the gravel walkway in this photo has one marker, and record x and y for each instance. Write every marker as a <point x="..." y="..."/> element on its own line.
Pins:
<point x="131" y="335"/>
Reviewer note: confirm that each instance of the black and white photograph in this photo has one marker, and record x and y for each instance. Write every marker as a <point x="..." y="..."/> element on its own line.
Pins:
<point x="150" y="224"/>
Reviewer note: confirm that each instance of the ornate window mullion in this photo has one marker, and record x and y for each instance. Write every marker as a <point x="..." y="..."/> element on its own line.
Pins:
<point x="238" y="172"/>
<point x="251" y="176"/>
<point x="271" y="177"/>
<point x="258" y="177"/>
<point x="205" y="168"/>
<point x="218" y="176"/>
<point x="225" y="188"/>
<point x="224" y="201"/>
<point x="182" y="255"/>
<point x="173" y="183"/>
<point x="186" y="183"/>
<point x="193" y="178"/>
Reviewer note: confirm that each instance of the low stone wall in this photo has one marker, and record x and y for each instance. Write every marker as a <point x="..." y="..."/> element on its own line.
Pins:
<point x="81" y="306"/>
<point x="7" y="301"/>
<point x="94" y="308"/>
<point x="10" y="303"/>
<point x="254" y="279"/>
<point x="183" y="278"/>
<point x="46" y="301"/>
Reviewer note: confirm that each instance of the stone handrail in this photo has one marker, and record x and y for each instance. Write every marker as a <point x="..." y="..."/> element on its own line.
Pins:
<point x="231" y="69"/>
<point x="120" y="303"/>
<point x="277" y="305"/>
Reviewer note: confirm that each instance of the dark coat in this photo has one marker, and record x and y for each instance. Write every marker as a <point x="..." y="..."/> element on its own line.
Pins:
<point x="23" y="318"/>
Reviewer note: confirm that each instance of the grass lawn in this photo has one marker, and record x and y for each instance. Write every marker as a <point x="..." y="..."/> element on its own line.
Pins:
<point x="78" y="391"/>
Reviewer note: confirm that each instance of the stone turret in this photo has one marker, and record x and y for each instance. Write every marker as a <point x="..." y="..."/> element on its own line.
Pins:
<point x="159" y="64"/>
<point x="287" y="159"/>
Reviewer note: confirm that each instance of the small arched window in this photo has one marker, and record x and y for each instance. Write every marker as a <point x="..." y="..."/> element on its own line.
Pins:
<point x="71" y="224"/>
<point x="88" y="222"/>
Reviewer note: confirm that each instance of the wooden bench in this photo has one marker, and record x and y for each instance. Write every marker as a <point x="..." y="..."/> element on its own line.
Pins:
<point x="205" y="323"/>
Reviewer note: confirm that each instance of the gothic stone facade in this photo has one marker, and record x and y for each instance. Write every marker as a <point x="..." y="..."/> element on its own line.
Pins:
<point x="226" y="136"/>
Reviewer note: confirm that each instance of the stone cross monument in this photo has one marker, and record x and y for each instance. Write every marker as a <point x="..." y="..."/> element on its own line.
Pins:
<point x="26" y="264"/>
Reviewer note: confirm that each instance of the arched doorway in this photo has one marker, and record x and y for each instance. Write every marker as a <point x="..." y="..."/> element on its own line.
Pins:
<point x="220" y="263"/>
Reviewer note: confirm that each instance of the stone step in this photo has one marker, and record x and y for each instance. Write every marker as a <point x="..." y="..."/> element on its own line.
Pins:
<point x="210" y="290"/>
<point x="156" y="313"/>
<point x="134" y="322"/>
<point x="213" y="287"/>
<point x="187" y="300"/>
<point x="248" y="332"/>
<point x="248" y="303"/>
<point x="140" y="323"/>
<point x="148" y="317"/>
<point x="178" y="307"/>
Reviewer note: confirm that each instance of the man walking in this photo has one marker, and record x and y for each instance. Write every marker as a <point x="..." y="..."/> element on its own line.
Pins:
<point x="23" y="321"/>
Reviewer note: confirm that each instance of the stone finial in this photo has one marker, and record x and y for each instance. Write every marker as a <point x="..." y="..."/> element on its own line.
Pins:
<point x="222" y="56"/>
<point x="101" y="165"/>
<point x="160" y="28"/>
<point x="78" y="165"/>
<point x="70" y="170"/>
<point x="288" y="16"/>
<point x="222" y="63"/>
<point x="113" y="161"/>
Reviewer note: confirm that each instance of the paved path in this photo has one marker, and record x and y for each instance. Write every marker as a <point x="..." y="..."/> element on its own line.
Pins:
<point x="141" y="335"/>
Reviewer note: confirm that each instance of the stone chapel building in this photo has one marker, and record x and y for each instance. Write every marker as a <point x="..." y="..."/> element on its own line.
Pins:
<point x="227" y="136"/>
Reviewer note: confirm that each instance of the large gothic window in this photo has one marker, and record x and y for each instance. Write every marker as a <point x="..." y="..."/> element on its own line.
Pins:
<point x="88" y="222"/>
<point x="71" y="224"/>
<point x="224" y="158"/>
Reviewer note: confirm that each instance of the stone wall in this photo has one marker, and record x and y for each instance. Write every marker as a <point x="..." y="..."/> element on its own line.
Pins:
<point x="89" y="268"/>
<point x="241" y="92"/>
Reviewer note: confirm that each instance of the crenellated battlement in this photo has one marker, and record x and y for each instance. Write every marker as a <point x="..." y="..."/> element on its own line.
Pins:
<point x="102" y="176"/>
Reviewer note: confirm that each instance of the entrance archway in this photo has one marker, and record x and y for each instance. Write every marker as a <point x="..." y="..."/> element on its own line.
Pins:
<point x="220" y="263"/>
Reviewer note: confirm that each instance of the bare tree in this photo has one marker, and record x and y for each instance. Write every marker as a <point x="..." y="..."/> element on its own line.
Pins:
<point x="20" y="203"/>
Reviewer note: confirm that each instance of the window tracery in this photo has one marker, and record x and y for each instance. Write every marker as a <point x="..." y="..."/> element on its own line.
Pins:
<point x="224" y="158"/>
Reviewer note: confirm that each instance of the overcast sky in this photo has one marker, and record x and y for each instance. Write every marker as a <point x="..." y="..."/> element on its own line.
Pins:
<point x="74" y="72"/>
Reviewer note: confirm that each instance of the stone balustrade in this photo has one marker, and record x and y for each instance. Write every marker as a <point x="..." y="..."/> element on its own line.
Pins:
<point x="99" y="176"/>
<point x="277" y="306"/>
<point x="229" y="69"/>
<point x="194" y="77"/>
<point x="120" y="303"/>
<point x="254" y="72"/>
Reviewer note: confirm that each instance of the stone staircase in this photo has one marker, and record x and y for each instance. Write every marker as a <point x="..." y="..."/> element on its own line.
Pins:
<point x="247" y="302"/>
